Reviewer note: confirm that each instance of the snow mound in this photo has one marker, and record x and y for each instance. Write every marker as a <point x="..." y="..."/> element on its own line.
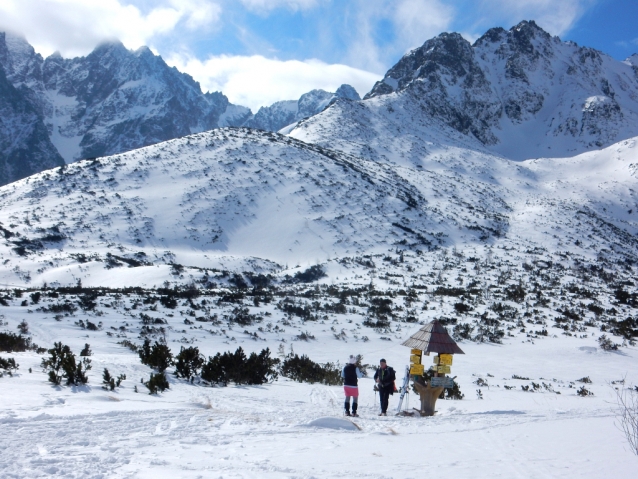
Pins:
<point x="333" y="423"/>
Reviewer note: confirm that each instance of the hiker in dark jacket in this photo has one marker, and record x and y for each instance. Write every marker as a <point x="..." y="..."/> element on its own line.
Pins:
<point x="384" y="378"/>
<point x="351" y="374"/>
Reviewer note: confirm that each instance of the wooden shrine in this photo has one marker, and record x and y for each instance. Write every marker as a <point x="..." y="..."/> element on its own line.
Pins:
<point x="431" y="338"/>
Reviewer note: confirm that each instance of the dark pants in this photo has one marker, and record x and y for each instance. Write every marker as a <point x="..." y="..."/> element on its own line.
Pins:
<point x="384" y="396"/>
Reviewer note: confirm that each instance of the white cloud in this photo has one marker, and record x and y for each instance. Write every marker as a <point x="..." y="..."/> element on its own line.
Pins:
<point x="255" y="81"/>
<point x="418" y="20"/>
<point x="412" y="21"/>
<point x="268" y="5"/>
<point x="75" y="27"/>
<point x="556" y="17"/>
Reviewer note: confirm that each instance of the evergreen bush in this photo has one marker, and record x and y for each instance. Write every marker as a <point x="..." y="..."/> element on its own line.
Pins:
<point x="158" y="356"/>
<point x="8" y="365"/>
<point x="304" y="369"/>
<point x="157" y="383"/>
<point x="239" y="369"/>
<point x="188" y="362"/>
<point x="11" y="343"/>
<point x="109" y="382"/>
<point x="61" y="365"/>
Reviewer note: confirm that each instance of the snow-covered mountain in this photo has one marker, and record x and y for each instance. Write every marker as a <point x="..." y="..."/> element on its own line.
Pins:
<point x="284" y="113"/>
<point x="112" y="100"/>
<point x="520" y="93"/>
<point x="241" y="199"/>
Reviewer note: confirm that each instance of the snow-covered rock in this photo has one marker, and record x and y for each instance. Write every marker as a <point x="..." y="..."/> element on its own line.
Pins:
<point x="284" y="113"/>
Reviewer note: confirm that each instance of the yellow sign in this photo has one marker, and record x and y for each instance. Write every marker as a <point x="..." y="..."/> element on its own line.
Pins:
<point x="445" y="359"/>
<point x="443" y="369"/>
<point x="414" y="359"/>
<point x="416" y="370"/>
<point x="416" y="352"/>
<point x="435" y="360"/>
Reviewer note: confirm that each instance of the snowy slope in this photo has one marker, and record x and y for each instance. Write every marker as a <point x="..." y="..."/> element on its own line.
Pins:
<point x="227" y="198"/>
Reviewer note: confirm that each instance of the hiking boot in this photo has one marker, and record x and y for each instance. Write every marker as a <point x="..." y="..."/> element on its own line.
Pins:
<point x="348" y="413"/>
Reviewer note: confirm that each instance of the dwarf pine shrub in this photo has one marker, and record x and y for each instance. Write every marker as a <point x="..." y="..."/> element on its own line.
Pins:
<point x="109" y="382"/>
<point x="157" y="383"/>
<point x="61" y="364"/>
<point x="304" y="369"/>
<point x="239" y="369"/>
<point x="158" y="356"/>
<point x="188" y="362"/>
<point x="8" y="366"/>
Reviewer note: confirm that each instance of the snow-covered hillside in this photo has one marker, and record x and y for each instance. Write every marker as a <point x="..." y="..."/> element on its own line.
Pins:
<point x="530" y="265"/>
<point x="225" y="198"/>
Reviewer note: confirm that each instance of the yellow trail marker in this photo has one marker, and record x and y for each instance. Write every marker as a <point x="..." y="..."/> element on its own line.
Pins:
<point x="446" y="359"/>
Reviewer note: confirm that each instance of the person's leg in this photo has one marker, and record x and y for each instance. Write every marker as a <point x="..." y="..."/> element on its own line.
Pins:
<point x="347" y="405"/>
<point x="385" y="395"/>
<point x="355" y="405"/>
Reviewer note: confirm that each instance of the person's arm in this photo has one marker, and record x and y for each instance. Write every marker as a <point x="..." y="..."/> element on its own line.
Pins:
<point x="359" y="373"/>
<point x="343" y="372"/>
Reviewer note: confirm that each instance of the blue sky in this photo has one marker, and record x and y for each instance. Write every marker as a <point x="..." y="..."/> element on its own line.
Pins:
<point x="261" y="51"/>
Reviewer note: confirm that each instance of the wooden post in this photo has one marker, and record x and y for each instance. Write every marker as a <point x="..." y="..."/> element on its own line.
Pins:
<point x="428" y="397"/>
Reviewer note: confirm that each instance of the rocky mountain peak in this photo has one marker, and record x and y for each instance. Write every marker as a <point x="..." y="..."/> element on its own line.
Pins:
<point x="347" y="92"/>
<point x="112" y="100"/>
<point x="515" y="80"/>
<point x="448" y="53"/>
<point x="284" y="113"/>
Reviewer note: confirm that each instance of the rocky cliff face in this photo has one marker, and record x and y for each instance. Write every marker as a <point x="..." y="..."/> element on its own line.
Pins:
<point x="522" y="92"/>
<point x="284" y="113"/>
<point x="25" y="147"/>
<point x="112" y="100"/>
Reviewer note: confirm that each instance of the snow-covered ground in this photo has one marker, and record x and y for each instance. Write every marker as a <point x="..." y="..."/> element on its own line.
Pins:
<point x="295" y="430"/>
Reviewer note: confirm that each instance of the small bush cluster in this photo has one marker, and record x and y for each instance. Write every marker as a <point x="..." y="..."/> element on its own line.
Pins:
<point x="607" y="344"/>
<point x="8" y="366"/>
<point x="239" y="369"/>
<point x="304" y="369"/>
<point x="109" y="382"/>
<point x="584" y="392"/>
<point x="157" y="383"/>
<point x="11" y="343"/>
<point x="61" y="364"/>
